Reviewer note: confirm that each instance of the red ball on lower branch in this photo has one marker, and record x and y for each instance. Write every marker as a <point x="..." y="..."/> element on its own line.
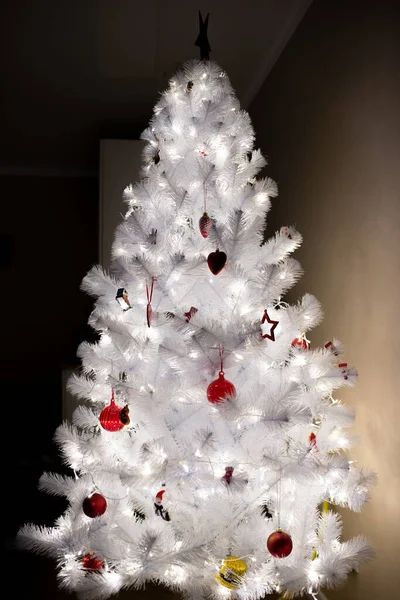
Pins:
<point x="220" y="389"/>
<point x="279" y="544"/>
<point x="94" y="505"/>
<point x="92" y="562"/>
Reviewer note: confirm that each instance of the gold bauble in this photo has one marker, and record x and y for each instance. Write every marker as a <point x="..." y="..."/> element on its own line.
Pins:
<point x="231" y="572"/>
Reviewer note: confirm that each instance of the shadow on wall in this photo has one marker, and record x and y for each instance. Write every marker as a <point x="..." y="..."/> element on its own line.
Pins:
<point x="328" y="119"/>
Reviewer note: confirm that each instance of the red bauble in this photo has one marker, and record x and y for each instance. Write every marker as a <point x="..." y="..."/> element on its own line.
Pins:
<point x="94" y="505"/>
<point x="301" y="342"/>
<point x="216" y="261"/>
<point x="110" y="416"/>
<point x="220" y="389"/>
<point x="205" y="224"/>
<point x="280" y="544"/>
<point x="92" y="562"/>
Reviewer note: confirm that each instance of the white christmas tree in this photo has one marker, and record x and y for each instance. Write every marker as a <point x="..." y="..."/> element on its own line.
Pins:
<point x="208" y="443"/>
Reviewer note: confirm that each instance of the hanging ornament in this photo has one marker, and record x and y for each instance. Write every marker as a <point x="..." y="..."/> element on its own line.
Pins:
<point x="265" y="511"/>
<point x="149" y="294"/>
<point x="112" y="417"/>
<point x="227" y="477"/>
<point x="279" y="544"/>
<point x="216" y="261"/>
<point x="220" y="389"/>
<point x="122" y="299"/>
<point x="190" y="313"/>
<point x="329" y="346"/>
<point x="189" y="86"/>
<point x="205" y="222"/>
<point x="301" y="342"/>
<point x="94" y="505"/>
<point x="286" y="231"/>
<point x="152" y="237"/>
<point x="312" y="438"/>
<point x="124" y="415"/>
<point x="92" y="562"/>
<point x="231" y="572"/>
<point x="274" y="324"/>
<point x="158" y="506"/>
<point x="344" y="370"/>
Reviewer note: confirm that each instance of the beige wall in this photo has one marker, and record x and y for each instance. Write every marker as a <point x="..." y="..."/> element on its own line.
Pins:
<point x="328" y="120"/>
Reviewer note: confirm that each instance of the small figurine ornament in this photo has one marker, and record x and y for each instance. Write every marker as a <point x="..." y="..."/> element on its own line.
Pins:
<point x="158" y="506"/>
<point x="153" y="237"/>
<point x="312" y="438"/>
<point x="122" y="299"/>
<point x="124" y="415"/>
<point x="227" y="477"/>
<point x="231" y="572"/>
<point x="286" y="231"/>
<point x="190" y="313"/>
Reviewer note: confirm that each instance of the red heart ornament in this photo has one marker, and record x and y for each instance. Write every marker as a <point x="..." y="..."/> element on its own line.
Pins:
<point x="216" y="261"/>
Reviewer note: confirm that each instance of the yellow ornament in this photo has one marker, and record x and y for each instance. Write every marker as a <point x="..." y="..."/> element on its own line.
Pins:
<point x="231" y="572"/>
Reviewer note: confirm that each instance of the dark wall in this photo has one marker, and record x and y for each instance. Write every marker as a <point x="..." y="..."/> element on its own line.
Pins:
<point x="48" y="233"/>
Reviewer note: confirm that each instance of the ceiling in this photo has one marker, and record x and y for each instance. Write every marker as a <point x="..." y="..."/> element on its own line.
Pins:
<point x="76" y="71"/>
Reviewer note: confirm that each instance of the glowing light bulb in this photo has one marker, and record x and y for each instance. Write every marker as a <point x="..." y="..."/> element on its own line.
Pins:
<point x="147" y="470"/>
